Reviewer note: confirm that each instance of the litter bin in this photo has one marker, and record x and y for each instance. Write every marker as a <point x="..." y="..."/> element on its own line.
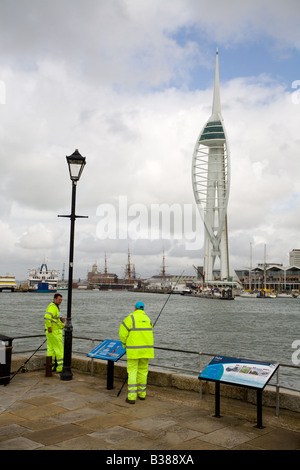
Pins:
<point x="5" y="358"/>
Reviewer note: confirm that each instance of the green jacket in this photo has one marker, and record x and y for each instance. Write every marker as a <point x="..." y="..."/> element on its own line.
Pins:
<point x="136" y="334"/>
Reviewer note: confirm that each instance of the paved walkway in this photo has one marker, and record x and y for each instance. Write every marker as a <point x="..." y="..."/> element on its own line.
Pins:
<point x="43" y="413"/>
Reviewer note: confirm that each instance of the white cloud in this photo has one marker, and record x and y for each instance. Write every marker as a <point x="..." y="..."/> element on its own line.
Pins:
<point x="37" y="237"/>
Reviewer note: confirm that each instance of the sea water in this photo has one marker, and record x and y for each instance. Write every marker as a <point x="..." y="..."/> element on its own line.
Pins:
<point x="248" y="328"/>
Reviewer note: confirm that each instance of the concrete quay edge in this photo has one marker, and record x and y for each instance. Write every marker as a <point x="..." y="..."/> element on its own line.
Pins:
<point x="288" y="400"/>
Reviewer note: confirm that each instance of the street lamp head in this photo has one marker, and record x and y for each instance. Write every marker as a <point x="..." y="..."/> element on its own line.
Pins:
<point x="76" y="164"/>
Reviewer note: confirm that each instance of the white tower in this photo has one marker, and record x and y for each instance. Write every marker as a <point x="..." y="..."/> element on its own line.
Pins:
<point x="211" y="182"/>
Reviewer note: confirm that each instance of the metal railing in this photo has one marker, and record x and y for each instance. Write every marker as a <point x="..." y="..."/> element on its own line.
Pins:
<point x="93" y="341"/>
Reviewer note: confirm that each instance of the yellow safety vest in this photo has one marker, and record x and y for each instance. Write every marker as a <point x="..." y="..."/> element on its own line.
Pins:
<point x="136" y="334"/>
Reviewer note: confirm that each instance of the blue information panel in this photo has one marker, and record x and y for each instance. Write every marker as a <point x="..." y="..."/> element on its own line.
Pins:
<point x="109" y="349"/>
<point x="239" y="371"/>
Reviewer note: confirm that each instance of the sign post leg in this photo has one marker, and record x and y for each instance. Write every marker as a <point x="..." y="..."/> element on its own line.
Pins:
<point x="217" y="400"/>
<point x="259" y="409"/>
<point x="110" y="375"/>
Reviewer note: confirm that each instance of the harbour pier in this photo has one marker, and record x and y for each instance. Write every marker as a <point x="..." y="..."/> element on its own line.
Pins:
<point x="44" y="413"/>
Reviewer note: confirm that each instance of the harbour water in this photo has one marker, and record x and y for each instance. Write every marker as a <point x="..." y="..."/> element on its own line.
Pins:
<point x="257" y="329"/>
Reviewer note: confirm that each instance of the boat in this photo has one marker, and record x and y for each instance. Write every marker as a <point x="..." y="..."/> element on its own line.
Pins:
<point x="186" y="291"/>
<point x="248" y="295"/>
<point x="42" y="280"/>
<point x="178" y="289"/>
<point x="266" y="294"/>
<point x="226" y="294"/>
<point x="62" y="286"/>
<point x="262" y="294"/>
<point x="8" y="283"/>
<point x="215" y="293"/>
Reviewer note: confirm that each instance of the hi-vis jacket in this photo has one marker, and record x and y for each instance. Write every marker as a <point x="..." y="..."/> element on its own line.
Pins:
<point x="136" y="334"/>
<point x="52" y="319"/>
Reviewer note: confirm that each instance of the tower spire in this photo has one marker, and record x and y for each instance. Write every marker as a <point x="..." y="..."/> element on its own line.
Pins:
<point x="216" y="107"/>
<point x="211" y="182"/>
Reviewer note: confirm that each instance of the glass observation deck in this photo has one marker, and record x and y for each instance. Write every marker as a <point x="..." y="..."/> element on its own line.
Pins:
<point x="213" y="130"/>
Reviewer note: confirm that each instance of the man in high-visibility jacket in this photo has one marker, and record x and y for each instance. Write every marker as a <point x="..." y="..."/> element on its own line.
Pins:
<point x="136" y="334"/>
<point x="54" y="327"/>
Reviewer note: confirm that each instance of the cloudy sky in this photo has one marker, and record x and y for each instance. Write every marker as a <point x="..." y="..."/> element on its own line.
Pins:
<point x="129" y="84"/>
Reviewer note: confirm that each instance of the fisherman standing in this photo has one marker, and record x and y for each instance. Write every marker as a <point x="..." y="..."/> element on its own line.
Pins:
<point x="54" y="327"/>
<point x="136" y="335"/>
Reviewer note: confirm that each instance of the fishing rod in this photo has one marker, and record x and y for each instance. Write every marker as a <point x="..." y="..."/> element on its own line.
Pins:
<point x="155" y="322"/>
<point x="27" y="360"/>
<point x="168" y="298"/>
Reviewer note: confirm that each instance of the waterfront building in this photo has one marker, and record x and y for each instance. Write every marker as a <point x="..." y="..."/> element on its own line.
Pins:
<point x="211" y="184"/>
<point x="294" y="257"/>
<point x="108" y="281"/>
<point x="96" y="278"/>
<point x="274" y="277"/>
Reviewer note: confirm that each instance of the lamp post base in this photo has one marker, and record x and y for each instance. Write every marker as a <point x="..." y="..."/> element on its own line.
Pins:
<point x="66" y="375"/>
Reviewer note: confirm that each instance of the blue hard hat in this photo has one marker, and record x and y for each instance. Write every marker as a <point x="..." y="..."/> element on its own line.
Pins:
<point x="139" y="305"/>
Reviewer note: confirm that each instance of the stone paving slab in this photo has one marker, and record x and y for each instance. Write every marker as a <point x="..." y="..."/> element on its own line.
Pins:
<point x="20" y="443"/>
<point x="39" y="413"/>
<point x="115" y="434"/>
<point x="105" y="421"/>
<point x="278" y="439"/>
<point x="227" y="437"/>
<point x="12" y="430"/>
<point x="152" y="424"/>
<point x="32" y="412"/>
<point x="83" y="442"/>
<point x="56" y="434"/>
<point x="140" y="443"/>
<point x="75" y="416"/>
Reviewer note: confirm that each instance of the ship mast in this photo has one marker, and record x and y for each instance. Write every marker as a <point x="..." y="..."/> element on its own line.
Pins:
<point x="128" y="268"/>
<point x="164" y="268"/>
<point x="105" y="269"/>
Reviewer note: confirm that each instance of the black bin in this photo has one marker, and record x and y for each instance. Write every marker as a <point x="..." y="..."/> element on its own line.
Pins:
<point x="5" y="358"/>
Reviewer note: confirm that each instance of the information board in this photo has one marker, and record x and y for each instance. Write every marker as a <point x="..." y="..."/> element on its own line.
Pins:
<point x="241" y="372"/>
<point x="110" y="350"/>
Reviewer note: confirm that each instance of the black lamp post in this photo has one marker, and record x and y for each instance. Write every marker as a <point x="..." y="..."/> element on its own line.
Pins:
<point x="76" y="164"/>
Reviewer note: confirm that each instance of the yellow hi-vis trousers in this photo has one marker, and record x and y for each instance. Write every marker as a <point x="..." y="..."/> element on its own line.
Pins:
<point x="55" y="348"/>
<point x="137" y="370"/>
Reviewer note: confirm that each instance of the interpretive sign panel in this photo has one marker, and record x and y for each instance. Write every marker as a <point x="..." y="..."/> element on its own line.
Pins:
<point x="241" y="372"/>
<point x="110" y="350"/>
